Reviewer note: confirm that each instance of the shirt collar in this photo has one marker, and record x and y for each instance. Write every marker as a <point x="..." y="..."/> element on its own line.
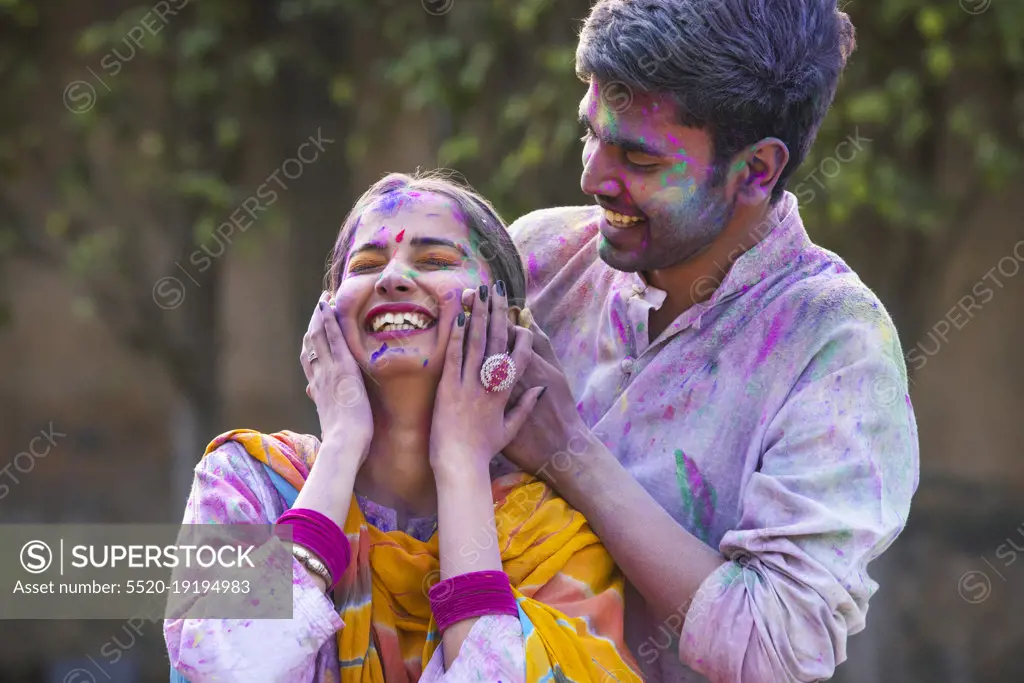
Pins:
<point x="782" y="237"/>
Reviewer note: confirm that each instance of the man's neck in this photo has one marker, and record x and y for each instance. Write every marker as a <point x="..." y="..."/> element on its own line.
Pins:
<point x="696" y="279"/>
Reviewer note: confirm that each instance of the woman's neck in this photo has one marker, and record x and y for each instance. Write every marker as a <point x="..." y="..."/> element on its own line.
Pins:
<point x="397" y="472"/>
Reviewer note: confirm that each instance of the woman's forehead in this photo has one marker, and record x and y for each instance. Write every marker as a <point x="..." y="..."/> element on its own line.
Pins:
<point x="420" y="214"/>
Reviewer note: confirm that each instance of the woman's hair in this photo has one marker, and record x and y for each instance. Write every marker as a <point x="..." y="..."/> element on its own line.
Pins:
<point x="488" y="234"/>
<point x="743" y="70"/>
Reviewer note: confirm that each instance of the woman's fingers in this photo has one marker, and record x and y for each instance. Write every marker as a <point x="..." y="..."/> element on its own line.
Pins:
<point x="497" y="333"/>
<point x="453" y="355"/>
<point x="335" y="336"/>
<point x="318" y="337"/>
<point x="476" y="331"/>
<point x="307" y="341"/>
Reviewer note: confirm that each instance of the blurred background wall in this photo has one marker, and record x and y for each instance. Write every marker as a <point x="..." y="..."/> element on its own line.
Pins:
<point x="131" y="133"/>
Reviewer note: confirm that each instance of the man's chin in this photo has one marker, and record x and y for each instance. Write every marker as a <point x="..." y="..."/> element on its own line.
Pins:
<point x="625" y="261"/>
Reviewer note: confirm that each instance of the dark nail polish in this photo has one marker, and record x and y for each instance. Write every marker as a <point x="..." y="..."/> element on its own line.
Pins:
<point x="322" y="305"/>
<point x="499" y="286"/>
<point x="461" y="320"/>
<point x="483" y="292"/>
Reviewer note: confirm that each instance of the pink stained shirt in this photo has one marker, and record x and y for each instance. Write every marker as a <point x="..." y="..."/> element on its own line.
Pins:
<point x="773" y="422"/>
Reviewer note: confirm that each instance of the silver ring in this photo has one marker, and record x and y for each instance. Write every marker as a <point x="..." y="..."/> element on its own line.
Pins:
<point x="311" y="356"/>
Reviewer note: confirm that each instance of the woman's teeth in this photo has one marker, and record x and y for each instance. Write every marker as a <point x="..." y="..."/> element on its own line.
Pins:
<point x="388" y="322"/>
<point x="620" y="220"/>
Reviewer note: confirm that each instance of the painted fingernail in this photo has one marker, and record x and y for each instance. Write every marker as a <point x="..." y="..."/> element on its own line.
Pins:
<point x="483" y="292"/>
<point x="541" y="393"/>
<point x="461" y="320"/>
<point x="322" y="304"/>
<point x="499" y="287"/>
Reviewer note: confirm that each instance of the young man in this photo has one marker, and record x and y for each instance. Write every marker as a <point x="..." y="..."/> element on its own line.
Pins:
<point x="729" y="405"/>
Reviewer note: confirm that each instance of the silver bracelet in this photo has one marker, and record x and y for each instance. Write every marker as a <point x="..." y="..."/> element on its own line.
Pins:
<point x="313" y="563"/>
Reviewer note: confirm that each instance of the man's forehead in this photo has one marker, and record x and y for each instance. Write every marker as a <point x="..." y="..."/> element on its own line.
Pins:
<point x="618" y="102"/>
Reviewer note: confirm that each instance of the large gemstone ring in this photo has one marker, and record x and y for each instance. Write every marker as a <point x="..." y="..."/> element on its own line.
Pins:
<point x="498" y="372"/>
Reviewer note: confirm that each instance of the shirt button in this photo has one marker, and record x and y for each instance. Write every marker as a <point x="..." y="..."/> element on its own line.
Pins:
<point x="627" y="365"/>
<point x="638" y="288"/>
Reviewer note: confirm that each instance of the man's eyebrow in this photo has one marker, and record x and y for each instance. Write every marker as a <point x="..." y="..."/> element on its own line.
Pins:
<point x="626" y="144"/>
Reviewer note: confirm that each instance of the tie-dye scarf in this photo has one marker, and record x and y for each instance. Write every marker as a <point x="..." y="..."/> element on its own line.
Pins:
<point x="568" y="589"/>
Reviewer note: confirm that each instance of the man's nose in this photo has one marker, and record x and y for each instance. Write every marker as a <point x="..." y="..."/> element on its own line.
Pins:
<point x="598" y="177"/>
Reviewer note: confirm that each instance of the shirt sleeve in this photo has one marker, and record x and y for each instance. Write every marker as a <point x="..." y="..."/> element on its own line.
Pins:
<point x="229" y="489"/>
<point x="493" y="651"/>
<point x="839" y="467"/>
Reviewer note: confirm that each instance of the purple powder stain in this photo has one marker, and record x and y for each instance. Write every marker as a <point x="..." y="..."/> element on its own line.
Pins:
<point x="425" y="361"/>
<point x="770" y="340"/>
<point x="629" y="425"/>
<point x="532" y="265"/>
<point x="379" y="352"/>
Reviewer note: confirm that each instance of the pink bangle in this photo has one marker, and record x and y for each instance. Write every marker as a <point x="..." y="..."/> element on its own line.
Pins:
<point x="321" y="536"/>
<point x="466" y="596"/>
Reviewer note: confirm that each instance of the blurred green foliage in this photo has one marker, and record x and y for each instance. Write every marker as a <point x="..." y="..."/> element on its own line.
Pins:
<point x="494" y="81"/>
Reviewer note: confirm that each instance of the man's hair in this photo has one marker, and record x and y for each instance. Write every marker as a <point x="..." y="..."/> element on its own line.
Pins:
<point x="488" y="233"/>
<point x="742" y="70"/>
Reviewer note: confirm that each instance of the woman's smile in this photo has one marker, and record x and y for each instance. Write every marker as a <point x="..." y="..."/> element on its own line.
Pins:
<point x="397" y="320"/>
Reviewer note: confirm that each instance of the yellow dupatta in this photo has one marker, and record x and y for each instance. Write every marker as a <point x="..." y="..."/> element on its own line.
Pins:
<point x="568" y="589"/>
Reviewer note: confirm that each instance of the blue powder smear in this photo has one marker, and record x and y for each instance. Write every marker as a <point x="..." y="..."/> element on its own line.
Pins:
<point x="378" y="353"/>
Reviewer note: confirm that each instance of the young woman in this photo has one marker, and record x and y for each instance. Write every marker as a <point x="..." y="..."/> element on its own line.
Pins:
<point x="410" y="357"/>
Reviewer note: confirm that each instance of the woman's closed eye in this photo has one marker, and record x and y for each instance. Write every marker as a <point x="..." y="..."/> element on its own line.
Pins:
<point x="430" y="261"/>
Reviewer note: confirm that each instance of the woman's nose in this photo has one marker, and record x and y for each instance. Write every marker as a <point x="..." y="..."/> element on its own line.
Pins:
<point x="393" y="280"/>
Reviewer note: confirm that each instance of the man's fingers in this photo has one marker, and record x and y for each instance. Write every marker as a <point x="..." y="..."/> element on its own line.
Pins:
<point x="542" y="345"/>
<point x="516" y="418"/>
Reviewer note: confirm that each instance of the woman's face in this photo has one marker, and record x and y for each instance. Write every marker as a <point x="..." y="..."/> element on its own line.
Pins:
<point x="402" y="281"/>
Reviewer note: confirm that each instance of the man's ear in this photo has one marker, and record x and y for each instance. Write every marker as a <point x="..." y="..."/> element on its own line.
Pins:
<point x="756" y="170"/>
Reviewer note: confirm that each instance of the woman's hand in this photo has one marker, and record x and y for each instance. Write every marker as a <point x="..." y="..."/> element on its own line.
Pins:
<point x="470" y="424"/>
<point x="335" y="381"/>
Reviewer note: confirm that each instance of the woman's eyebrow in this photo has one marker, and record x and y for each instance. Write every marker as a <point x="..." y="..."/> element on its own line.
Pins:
<point x="374" y="245"/>
<point x="438" y="242"/>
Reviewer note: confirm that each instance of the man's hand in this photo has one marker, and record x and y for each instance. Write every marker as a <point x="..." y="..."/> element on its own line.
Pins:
<point x="554" y="426"/>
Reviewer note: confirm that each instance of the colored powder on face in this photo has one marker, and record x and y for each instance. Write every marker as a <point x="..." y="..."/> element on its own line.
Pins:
<point x="699" y="497"/>
<point x="399" y="236"/>
<point x="425" y="361"/>
<point x="379" y="352"/>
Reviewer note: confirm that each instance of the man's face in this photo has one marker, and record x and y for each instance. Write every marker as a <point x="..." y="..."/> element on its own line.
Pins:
<point x="653" y="178"/>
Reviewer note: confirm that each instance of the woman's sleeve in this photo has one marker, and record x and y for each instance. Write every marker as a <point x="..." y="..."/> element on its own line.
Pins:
<point x="229" y="488"/>
<point x="493" y="651"/>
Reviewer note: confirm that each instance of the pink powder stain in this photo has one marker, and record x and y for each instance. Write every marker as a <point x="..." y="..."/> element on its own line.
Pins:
<point x="770" y="340"/>
<point x="532" y="265"/>
<point x="669" y="413"/>
<point x="629" y="425"/>
<point x="399" y="236"/>
<point x="617" y="322"/>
